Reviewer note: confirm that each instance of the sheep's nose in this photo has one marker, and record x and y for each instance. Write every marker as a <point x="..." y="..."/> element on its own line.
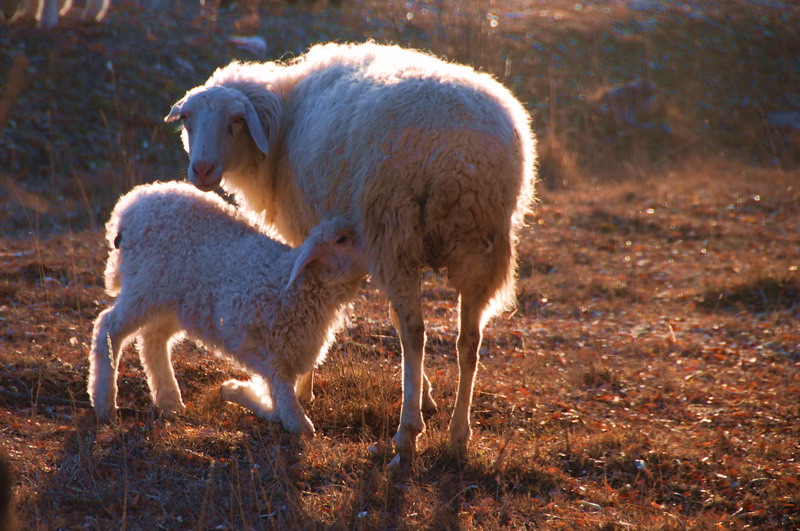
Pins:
<point x="203" y="169"/>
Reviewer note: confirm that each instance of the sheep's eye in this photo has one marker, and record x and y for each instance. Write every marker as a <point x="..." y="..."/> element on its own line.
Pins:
<point x="341" y="239"/>
<point x="235" y="125"/>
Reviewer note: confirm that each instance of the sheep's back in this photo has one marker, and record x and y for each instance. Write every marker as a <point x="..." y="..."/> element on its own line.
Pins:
<point x="417" y="149"/>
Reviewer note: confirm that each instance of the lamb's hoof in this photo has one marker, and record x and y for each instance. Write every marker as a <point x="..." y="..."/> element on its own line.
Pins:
<point x="304" y="389"/>
<point x="307" y="399"/>
<point x="231" y="389"/>
<point x="300" y="427"/>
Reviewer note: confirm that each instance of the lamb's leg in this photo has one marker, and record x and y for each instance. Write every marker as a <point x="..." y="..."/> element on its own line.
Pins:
<point x="305" y="387"/>
<point x="468" y="345"/>
<point x="279" y="385"/>
<point x="406" y="305"/>
<point x="429" y="406"/>
<point x="259" y="397"/>
<point x="110" y="331"/>
<point x="286" y="402"/>
<point x="253" y="394"/>
<point x="155" y="356"/>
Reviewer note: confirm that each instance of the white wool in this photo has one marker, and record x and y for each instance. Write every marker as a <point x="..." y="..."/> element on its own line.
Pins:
<point x="184" y="261"/>
<point x="433" y="161"/>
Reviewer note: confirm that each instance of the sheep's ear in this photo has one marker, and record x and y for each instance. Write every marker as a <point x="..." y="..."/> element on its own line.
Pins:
<point x="175" y="112"/>
<point x="308" y="254"/>
<point x="255" y="127"/>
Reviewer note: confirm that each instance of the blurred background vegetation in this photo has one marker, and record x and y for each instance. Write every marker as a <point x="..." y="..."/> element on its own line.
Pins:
<point x="616" y="88"/>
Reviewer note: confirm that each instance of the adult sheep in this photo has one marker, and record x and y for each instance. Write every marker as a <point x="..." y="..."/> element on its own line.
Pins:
<point x="433" y="161"/>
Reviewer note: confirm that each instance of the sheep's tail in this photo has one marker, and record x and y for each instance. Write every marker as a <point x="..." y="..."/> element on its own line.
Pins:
<point x="504" y="255"/>
<point x="504" y="265"/>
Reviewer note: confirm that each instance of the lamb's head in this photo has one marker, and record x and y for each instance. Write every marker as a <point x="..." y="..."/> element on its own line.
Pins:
<point x="217" y="121"/>
<point x="334" y="252"/>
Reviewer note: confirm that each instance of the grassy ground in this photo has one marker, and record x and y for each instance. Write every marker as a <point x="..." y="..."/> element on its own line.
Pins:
<point x="647" y="379"/>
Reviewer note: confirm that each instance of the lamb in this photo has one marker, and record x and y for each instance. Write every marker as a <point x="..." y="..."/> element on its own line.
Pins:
<point x="433" y="162"/>
<point x="182" y="260"/>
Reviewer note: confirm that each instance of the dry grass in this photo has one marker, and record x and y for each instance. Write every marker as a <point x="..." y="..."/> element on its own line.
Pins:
<point x="615" y="396"/>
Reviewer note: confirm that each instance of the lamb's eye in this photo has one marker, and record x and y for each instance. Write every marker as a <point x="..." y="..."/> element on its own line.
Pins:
<point x="342" y="239"/>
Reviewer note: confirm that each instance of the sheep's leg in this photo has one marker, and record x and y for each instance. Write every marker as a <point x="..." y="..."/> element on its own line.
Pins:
<point x="95" y="10"/>
<point x="305" y="387"/>
<point x="468" y="345"/>
<point x="155" y="356"/>
<point x="109" y="334"/>
<point x="253" y="394"/>
<point x="412" y="339"/>
<point x="429" y="406"/>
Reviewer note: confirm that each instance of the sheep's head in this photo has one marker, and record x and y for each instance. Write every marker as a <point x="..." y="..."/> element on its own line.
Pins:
<point x="214" y="120"/>
<point x="335" y="250"/>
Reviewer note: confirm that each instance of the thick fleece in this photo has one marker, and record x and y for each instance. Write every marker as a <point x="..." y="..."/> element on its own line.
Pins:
<point x="184" y="261"/>
<point x="433" y="161"/>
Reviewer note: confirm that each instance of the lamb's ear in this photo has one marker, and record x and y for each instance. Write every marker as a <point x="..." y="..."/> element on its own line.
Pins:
<point x="255" y="127"/>
<point x="175" y="111"/>
<point x="308" y="254"/>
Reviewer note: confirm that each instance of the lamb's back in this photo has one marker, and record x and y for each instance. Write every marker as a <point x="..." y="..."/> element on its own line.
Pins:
<point x="179" y="244"/>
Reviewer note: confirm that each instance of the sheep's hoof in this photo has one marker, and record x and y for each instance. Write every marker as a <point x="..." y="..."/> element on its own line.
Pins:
<point x="172" y="411"/>
<point x="106" y="415"/>
<point x="459" y="436"/>
<point x="171" y="407"/>
<point x="405" y="442"/>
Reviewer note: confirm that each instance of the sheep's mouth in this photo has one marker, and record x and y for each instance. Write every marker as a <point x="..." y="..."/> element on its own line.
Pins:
<point x="206" y="187"/>
<point x="205" y="183"/>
